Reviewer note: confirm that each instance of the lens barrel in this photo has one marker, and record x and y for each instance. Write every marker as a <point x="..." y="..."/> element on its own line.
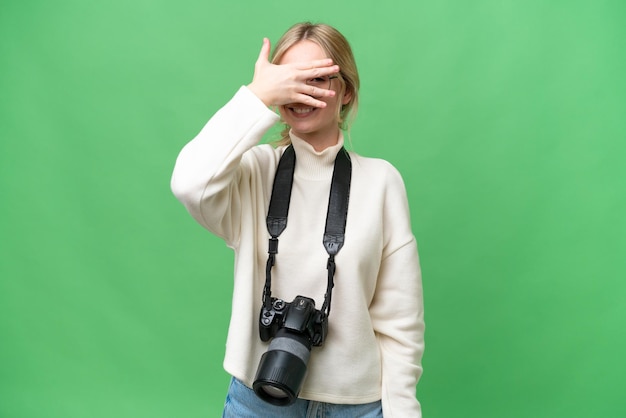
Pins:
<point x="282" y="368"/>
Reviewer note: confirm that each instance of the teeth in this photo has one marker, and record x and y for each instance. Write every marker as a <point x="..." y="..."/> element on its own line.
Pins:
<point x="302" y="109"/>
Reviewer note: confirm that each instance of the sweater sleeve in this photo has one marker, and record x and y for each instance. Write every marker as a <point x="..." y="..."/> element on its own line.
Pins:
<point x="208" y="170"/>
<point x="397" y="309"/>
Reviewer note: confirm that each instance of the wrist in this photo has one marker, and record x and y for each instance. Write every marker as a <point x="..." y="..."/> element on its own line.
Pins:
<point x="259" y="94"/>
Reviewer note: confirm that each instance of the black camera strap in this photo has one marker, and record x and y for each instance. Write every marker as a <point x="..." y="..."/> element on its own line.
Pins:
<point x="334" y="233"/>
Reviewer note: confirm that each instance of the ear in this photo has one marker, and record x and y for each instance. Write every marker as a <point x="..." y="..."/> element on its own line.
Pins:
<point x="347" y="96"/>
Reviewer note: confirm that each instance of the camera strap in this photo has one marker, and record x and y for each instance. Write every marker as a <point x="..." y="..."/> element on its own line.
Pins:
<point x="334" y="233"/>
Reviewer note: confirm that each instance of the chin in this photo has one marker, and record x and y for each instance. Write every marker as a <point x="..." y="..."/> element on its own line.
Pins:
<point x="300" y="127"/>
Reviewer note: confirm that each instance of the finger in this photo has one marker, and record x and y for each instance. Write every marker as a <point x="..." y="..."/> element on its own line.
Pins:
<point x="320" y="71"/>
<point x="309" y="100"/>
<point x="311" y="95"/>
<point x="264" y="55"/>
<point x="319" y="92"/>
<point x="326" y="62"/>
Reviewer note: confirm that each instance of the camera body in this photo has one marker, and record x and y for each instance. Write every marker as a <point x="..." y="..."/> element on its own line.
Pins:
<point x="293" y="329"/>
<point x="299" y="316"/>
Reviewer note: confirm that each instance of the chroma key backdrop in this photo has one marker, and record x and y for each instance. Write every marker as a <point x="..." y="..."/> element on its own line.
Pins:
<point x="507" y="120"/>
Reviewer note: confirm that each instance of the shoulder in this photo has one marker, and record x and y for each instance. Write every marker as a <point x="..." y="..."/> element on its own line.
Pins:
<point x="376" y="170"/>
<point x="262" y="156"/>
<point x="264" y="152"/>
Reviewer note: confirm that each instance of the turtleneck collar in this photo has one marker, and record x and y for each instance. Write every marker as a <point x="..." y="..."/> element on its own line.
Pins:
<point x="314" y="165"/>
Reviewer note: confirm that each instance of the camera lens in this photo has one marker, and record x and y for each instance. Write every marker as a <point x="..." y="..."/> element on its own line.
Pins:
<point x="274" y="392"/>
<point x="282" y="368"/>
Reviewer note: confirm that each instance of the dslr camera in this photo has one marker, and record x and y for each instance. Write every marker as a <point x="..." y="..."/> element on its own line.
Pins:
<point x="293" y="328"/>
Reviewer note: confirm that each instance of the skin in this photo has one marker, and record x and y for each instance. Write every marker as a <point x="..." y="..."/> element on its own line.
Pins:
<point x="311" y="112"/>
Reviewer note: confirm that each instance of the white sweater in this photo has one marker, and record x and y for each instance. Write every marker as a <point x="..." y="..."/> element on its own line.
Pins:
<point x="375" y="340"/>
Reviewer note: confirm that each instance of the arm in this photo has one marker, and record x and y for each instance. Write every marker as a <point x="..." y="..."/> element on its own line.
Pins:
<point x="207" y="170"/>
<point x="397" y="309"/>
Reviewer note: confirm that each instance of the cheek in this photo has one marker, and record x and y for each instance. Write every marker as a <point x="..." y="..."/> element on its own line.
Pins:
<point x="282" y="111"/>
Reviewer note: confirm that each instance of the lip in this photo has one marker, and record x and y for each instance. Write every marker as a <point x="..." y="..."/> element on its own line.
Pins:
<point x="301" y="112"/>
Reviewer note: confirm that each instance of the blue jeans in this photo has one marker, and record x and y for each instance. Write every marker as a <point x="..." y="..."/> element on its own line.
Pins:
<point x="242" y="402"/>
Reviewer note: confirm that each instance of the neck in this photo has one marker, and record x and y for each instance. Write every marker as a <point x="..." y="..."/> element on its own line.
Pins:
<point x="320" y="140"/>
<point x="313" y="164"/>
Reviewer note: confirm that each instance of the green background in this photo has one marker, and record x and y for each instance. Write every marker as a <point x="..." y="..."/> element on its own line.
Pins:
<point x="506" y="118"/>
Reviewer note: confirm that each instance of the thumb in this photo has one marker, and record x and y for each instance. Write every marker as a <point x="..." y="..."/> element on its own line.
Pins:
<point x="264" y="55"/>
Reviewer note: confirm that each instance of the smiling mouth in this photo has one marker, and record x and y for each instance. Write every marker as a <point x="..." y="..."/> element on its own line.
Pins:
<point x="303" y="111"/>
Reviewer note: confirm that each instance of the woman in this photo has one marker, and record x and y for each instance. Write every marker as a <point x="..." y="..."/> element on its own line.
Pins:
<point x="368" y="361"/>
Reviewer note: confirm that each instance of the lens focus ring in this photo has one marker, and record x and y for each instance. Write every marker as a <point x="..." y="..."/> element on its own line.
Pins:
<point x="292" y="346"/>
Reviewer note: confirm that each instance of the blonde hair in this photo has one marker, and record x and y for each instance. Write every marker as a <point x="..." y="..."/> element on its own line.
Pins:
<point x="336" y="47"/>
